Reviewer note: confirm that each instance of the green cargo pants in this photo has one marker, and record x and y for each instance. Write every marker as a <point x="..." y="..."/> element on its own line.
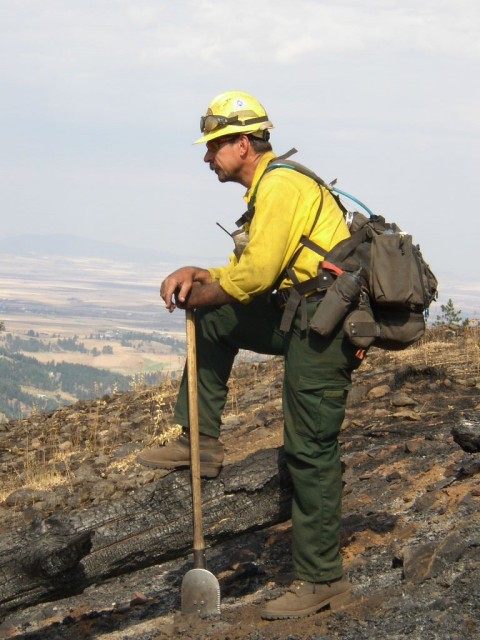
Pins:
<point x="316" y="382"/>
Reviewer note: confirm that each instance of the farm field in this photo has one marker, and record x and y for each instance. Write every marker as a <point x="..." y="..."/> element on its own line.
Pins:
<point x="79" y="328"/>
<point x="100" y="302"/>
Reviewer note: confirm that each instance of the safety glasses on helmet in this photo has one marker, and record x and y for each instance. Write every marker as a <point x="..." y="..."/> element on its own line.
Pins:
<point x="211" y="123"/>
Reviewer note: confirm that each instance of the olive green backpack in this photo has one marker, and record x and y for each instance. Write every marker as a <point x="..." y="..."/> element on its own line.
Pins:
<point x="381" y="287"/>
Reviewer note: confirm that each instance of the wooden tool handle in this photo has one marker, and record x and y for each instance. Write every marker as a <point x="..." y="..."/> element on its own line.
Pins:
<point x="198" y="541"/>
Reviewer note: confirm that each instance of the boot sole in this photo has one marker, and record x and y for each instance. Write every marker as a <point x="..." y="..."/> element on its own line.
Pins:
<point x="334" y="603"/>
<point x="206" y="470"/>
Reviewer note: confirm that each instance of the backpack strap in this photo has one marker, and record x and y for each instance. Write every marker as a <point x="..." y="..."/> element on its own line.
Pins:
<point x="250" y="212"/>
<point x="305" y="240"/>
<point x="286" y="155"/>
<point x="296" y="295"/>
<point x="366" y="229"/>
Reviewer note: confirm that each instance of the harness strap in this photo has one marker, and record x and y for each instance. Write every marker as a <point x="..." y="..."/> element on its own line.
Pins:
<point x="286" y="155"/>
<point x="318" y="283"/>
<point x="290" y="310"/>
<point x="312" y="245"/>
<point x="345" y="247"/>
<point x="304" y="240"/>
<point x="250" y="212"/>
<point x="297" y="295"/>
<point x="294" y="300"/>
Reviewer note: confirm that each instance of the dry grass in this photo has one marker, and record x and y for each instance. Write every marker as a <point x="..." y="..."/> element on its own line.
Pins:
<point x="171" y="433"/>
<point x="45" y="461"/>
<point x="458" y="351"/>
<point x="38" y="472"/>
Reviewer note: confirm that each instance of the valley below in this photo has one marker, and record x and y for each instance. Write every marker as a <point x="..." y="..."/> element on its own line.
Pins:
<point x="92" y="312"/>
<point x="79" y="327"/>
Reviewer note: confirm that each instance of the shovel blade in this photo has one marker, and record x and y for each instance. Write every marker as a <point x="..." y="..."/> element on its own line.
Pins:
<point x="200" y="593"/>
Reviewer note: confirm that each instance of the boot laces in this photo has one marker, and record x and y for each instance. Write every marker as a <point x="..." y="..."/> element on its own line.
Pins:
<point x="296" y="586"/>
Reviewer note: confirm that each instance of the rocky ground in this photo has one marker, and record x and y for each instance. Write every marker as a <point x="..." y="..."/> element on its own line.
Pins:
<point x="411" y="533"/>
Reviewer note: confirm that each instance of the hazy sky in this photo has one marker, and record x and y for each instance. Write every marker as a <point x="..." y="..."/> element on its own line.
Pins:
<point x="101" y="100"/>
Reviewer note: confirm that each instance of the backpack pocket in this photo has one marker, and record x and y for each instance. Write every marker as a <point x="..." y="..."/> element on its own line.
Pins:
<point x="393" y="271"/>
<point x="392" y="328"/>
<point x="399" y="328"/>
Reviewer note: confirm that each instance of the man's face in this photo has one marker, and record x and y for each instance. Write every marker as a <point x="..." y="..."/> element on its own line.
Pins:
<point x="223" y="158"/>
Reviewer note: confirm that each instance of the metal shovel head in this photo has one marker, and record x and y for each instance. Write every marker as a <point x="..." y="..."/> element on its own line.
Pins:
<point x="200" y="593"/>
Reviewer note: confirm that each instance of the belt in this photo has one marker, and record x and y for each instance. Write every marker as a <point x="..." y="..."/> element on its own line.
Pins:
<point x="281" y="297"/>
<point x="289" y="299"/>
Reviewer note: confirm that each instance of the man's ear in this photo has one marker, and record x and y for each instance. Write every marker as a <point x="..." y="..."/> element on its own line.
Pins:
<point x="244" y="146"/>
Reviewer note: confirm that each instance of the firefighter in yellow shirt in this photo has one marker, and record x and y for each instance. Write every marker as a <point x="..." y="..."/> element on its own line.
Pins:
<point x="254" y="303"/>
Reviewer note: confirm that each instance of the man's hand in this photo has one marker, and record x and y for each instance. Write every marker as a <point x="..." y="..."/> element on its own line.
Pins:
<point x="192" y="287"/>
<point x="176" y="287"/>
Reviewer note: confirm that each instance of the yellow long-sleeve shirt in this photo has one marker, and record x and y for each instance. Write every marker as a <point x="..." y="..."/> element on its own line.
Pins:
<point x="286" y="205"/>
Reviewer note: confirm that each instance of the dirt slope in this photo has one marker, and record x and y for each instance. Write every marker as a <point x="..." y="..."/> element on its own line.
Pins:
<point x="411" y="525"/>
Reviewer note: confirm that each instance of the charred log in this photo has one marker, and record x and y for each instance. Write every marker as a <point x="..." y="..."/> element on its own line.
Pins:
<point x="62" y="555"/>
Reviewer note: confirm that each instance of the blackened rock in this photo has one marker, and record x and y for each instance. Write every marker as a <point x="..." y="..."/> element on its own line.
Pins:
<point x="25" y="497"/>
<point x="402" y="399"/>
<point x="430" y="559"/>
<point x="395" y="475"/>
<point x="467" y="435"/>
<point x="425" y="502"/>
<point x="469" y="466"/>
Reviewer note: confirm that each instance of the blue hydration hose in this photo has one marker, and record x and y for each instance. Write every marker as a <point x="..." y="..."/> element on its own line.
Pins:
<point x="281" y="165"/>
<point x="347" y="195"/>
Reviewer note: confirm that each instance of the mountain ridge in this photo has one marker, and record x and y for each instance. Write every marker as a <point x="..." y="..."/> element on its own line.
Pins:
<point x="66" y="245"/>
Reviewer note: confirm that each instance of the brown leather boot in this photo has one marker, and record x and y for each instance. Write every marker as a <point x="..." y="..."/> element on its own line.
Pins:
<point x="305" y="598"/>
<point x="176" y="455"/>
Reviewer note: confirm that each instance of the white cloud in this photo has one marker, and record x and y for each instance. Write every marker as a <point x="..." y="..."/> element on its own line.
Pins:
<point x="71" y="39"/>
<point x="258" y="32"/>
<point x="106" y="60"/>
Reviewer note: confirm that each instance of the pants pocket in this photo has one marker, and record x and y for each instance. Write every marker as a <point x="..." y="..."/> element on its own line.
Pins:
<point x="321" y="411"/>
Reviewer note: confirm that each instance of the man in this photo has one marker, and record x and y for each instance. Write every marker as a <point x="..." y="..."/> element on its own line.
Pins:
<point x="242" y="306"/>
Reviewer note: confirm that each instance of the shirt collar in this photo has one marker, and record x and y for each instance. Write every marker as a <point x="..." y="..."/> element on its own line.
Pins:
<point x="259" y="171"/>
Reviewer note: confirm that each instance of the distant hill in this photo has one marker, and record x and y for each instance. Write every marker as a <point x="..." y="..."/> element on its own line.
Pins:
<point x="76" y="247"/>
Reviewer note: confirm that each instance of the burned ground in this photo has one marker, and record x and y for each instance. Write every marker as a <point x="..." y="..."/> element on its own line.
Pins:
<point x="411" y="531"/>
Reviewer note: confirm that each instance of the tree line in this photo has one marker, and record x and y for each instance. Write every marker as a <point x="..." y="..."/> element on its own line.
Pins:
<point x="19" y="372"/>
